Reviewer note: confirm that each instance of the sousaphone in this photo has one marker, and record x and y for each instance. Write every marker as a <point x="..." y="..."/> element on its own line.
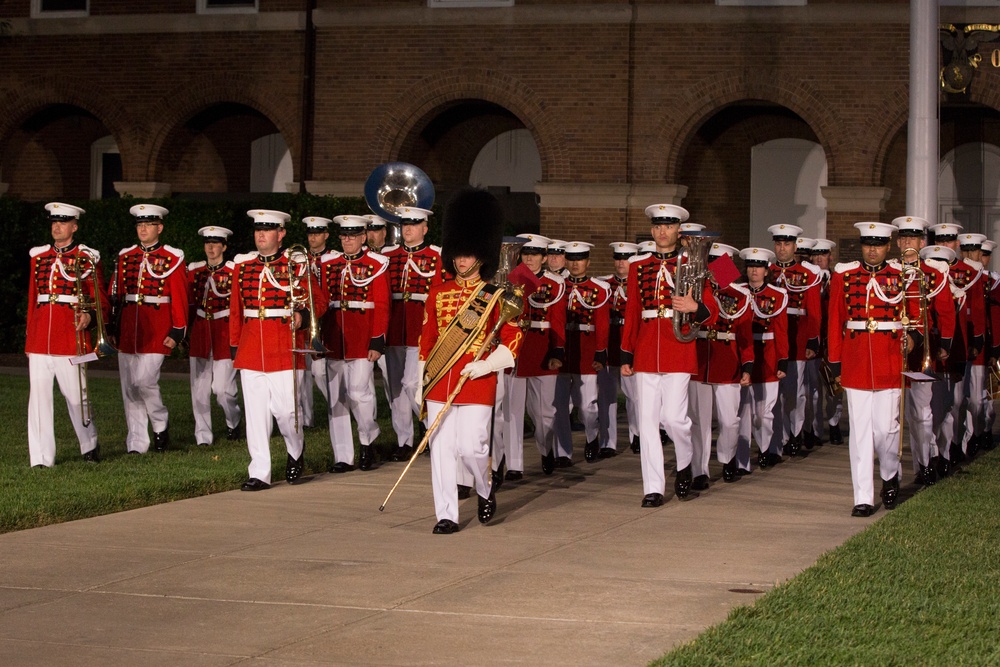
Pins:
<point x="393" y="186"/>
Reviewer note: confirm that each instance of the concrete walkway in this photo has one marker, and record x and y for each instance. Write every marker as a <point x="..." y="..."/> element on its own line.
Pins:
<point x="571" y="571"/>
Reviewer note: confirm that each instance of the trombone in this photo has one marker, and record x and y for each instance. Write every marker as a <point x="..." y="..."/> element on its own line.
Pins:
<point x="912" y="273"/>
<point x="300" y="267"/>
<point x="102" y="348"/>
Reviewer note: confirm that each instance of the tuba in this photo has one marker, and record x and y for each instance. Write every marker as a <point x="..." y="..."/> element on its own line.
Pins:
<point x="396" y="185"/>
<point x="689" y="278"/>
<point x="300" y="268"/>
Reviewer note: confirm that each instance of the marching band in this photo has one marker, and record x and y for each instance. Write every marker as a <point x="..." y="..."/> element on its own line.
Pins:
<point x="776" y="354"/>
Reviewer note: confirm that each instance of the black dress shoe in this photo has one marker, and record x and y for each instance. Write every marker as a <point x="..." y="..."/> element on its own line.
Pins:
<point x="497" y="477"/>
<point x="634" y="446"/>
<point x="464" y="491"/>
<point x="810" y="440"/>
<point x="235" y="433"/>
<point x="445" y="527"/>
<point x="93" y="456"/>
<point x="762" y="460"/>
<point x="254" y="484"/>
<point x="862" y="510"/>
<point x="366" y="459"/>
<point x="549" y="463"/>
<point x="987" y="442"/>
<point x="341" y="466"/>
<point x="794" y="445"/>
<point x="488" y="506"/>
<point x="956" y="454"/>
<point x="403" y="453"/>
<point x="590" y="451"/>
<point x="204" y="444"/>
<point x="682" y="484"/>
<point x="38" y="466"/>
<point x="741" y="472"/>
<point x="294" y="468"/>
<point x="161" y="441"/>
<point x="773" y="459"/>
<point x="729" y="472"/>
<point x="944" y="468"/>
<point x="607" y="452"/>
<point x="564" y="462"/>
<point x="700" y="483"/>
<point x="890" y="493"/>
<point x="652" y="500"/>
<point x="973" y="446"/>
<point x="513" y="475"/>
<point x="836" y="437"/>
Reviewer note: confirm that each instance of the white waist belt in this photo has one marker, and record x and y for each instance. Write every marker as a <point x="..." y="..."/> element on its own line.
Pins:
<point x="408" y="296"/>
<point x="147" y="299"/>
<point x="796" y="311"/>
<point x="579" y="327"/>
<point x="651" y="314"/>
<point x="539" y="325"/>
<point x="764" y="336"/>
<point x="268" y="312"/>
<point x="214" y="316"/>
<point x="861" y="325"/>
<point x="56" y="298"/>
<point x="361" y="305"/>
<point x="719" y="335"/>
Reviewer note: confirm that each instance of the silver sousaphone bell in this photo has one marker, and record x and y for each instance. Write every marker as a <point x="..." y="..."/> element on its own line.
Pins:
<point x="396" y="185"/>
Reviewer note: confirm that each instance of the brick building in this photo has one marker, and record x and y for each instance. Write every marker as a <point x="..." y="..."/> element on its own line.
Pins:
<point x="746" y="115"/>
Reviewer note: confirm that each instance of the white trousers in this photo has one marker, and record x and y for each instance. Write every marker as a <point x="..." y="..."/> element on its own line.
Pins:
<point x="212" y="376"/>
<point x="351" y="386"/>
<point x="581" y="391"/>
<point x="140" y="377"/>
<point x="920" y="422"/>
<point x="726" y="398"/>
<point x="536" y="396"/>
<point x="662" y="396"/>
<point x="42" y="370"/>
<point x="401" y="380"/>
<point x="314" y="373"/>
<point x="975" y="382"/>
<point x="874" y="422"/>
<point x="757" y="420"/>
<point x="267" y="396"/>
<point x="460" y="442"/>
<point x="790" y="408"/>
<point x="609" y="382"/>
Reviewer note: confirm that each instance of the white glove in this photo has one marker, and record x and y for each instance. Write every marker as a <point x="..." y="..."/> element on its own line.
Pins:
<point x="418" y="395"/>
<point x="500" y="359"/>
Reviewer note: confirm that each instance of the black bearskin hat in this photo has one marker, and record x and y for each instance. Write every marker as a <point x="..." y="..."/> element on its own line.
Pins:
<point x="473" y="225"/>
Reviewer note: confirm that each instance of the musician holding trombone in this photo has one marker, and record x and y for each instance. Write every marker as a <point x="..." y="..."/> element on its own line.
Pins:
<point x="64" y="290"/>
<point x="269" y="303"/>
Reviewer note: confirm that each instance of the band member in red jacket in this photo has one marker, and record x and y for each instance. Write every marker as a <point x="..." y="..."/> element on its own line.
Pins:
<point x="317" y="235"/>
<point x="472" y="233"/>
<point x="609" y="380"/>
<point x="268" y="304"/>
<point x="867" y="303"/>
<point x="414" y="267"/>
<point x="978" y="288"/>
<point x="725" y="359"/>
<point x="354" y="332"/>
<point x="211" y="284"/>
<point x="587" y="322"/>
<point x="821" y="410"/>
<point x="993" y="344"/>
<point x="531" y="387"/>
<point x="769" y="327"/>
<point x="802" y="282"/>
<point x="151" y="292"/>
<point x="60" y="318"/>
<point x="662" y="363"/>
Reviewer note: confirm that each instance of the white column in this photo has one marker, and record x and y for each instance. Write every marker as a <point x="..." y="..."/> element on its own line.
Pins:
<point x="922" y="154"/>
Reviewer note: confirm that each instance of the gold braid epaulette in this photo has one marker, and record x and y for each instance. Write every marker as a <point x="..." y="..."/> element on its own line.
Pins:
<point x="468" y="325"/>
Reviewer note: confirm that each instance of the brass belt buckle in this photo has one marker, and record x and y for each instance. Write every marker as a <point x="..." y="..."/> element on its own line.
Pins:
<point x="712" y="334"/>
<point x="406" y="296"/>
<point x="262" y="312"/>
<point x="53" y="298"/>
<point x="662" y="311"/>
<point x="872" y="325"/>
<point x="139" y="298"/>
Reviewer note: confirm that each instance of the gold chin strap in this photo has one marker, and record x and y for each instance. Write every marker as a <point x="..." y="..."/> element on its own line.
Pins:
<point x="472" y="269"/>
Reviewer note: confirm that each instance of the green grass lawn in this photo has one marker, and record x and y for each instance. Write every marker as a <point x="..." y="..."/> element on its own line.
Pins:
<point x="31" y="497"/>
<point x="919" y="587"/>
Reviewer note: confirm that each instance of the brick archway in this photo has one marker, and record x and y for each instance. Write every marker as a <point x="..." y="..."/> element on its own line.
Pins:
<point x="414" y="106"/>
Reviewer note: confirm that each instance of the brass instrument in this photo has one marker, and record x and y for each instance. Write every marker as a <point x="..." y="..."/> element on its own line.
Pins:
<point x="102" y="348"/>
<point x="993" y="380"/>
<point x="300" y="267"/>
<point x="395" y="185"/>
<point x="911" y="272"/>
<point x="833" y="386"/>
<point x="689" y="278"/>
<point x="511" y="304"/>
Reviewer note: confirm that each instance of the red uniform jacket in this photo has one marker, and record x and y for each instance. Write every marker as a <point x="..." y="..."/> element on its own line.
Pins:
<point x="412" y="273"/>
<point x="864" y="298"/>
<point x="941" y="316"/>
<point x="993" y="314"/>
<point x="648" y="341"/>
<point x="725" y="350"/>
<point x="619" y="297"/>
<point x="53" y="299"/>
<point x="970" y="298"/>
<point x="211" y="288"/>
<point x="770" y="332"/>
<point x="150" y="286"/>
<point x="802" y="281"/>
<point x="443" y="302"/>
<point x="543" y="323"/>
<point x="260" y="312"/>
<point x="358" y="289"/>
<point x="588" y="310"/>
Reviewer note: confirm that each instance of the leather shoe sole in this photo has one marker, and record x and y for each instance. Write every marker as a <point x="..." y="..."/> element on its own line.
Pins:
<point x="607" y="453"/>
<point x="340" y="467"/>
<point x="445" y="527"/>
<point x="513" y="475"/>
<point x="652" y="500"/>
<point x="863" y="510"/>
<point x="254" y="484"/>
<point x="700" y="483"/>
